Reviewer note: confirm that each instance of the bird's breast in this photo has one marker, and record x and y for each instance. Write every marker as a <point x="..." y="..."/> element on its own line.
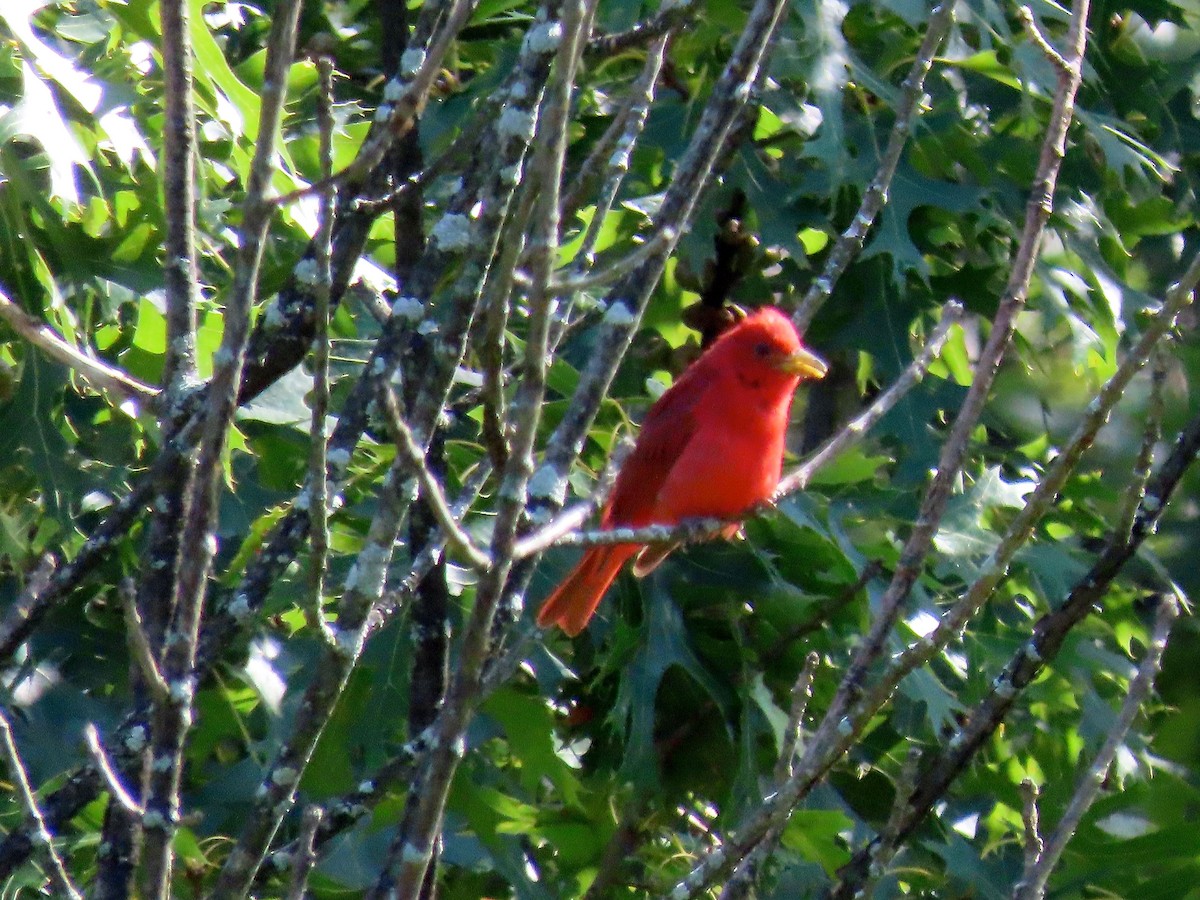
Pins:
<point x="722" y="471"/>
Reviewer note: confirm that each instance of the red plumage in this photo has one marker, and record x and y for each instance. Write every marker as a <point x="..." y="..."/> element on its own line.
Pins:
<point x="712" y="445"/>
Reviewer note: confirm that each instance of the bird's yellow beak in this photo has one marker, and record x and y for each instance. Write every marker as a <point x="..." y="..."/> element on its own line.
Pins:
<point x="804" y="364"/>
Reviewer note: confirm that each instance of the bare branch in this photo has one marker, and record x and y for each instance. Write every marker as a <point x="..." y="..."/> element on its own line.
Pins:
<point x="99" y="374"/>
<point x="16" y="770"/>
<point x="139" y="643"/>
<point x="912" y="91"/>
<point x="406" y="96"/>
<point x="112" y="780"/>
<point x="172" y="720"/>
<point x="318" y="487"/>
<point x="745" y="874"/>
<point x="1033" y="884"/>
<point x="952" y="757"/>
<point x="1043" y="496"/>
<point x="180" y="273"/>
<point x="431" y="489"/>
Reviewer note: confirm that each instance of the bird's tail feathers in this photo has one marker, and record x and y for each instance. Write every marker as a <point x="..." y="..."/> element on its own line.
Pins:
<point x="574" y="601"/>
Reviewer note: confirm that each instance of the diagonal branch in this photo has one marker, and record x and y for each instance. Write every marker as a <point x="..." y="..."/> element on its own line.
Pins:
<point x="99" y="374"/>
<point x="16" y="770"/>
<point x="950" y="759"/>
<point x="912" y="91"/>
<point x="1033" y="884"/>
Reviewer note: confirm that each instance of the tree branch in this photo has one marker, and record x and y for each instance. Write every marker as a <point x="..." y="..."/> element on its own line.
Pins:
<point x="99" y="374"/>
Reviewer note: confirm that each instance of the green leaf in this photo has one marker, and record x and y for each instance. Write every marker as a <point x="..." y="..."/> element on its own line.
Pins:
<point x="663" y="643"/>
<point x="817" y="835"/>
<point x="529" y="724"/>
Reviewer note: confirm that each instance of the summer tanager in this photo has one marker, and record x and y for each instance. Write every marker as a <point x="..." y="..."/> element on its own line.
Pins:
<point x="712" y="445"/>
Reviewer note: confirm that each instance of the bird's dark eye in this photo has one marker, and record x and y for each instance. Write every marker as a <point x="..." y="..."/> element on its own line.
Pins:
<point x="762" y="349"/>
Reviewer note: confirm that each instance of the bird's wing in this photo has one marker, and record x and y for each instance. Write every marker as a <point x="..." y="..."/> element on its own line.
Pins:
<point x="670" y="425"/>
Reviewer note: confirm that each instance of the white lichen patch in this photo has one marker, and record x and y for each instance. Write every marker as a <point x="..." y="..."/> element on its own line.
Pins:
<point x="411" y="61"/>
<point x="408" y="308"/>
<point x="516" y="123"/>
<point x="544" y="38"/>
<point x="452" y="233"/>
<point x="307" y="271"/>
<point x="619" y="314"/>
<point x="396" y="88"/>
<point x="510" y="174"/>
<point x="546" y="485"/>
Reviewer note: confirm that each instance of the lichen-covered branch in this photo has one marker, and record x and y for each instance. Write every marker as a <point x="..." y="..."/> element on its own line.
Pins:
<point x="172" y="719"/>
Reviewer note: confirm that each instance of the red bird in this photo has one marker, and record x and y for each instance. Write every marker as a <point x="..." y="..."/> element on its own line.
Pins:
<point x="712" y="445"/>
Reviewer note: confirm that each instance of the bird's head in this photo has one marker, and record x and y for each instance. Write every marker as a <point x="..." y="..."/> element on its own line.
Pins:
<point x="766" y="348"/>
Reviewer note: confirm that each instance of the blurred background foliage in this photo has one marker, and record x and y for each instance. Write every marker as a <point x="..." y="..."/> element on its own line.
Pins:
<point x="622" y="752"/>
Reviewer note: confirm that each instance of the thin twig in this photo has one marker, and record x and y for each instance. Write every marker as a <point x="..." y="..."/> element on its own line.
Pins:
<point x="617" y="269"/>
<point x="1033" y="885"/>
<point x="16" y="770"/>
<point x="1033" y="832"/>
<point x="29" y="606"/>
<point x="613" y="155"/>
<point x="851" y="240"/>
<point x="318" y="486"/>
<point x="1025" y="14"/>
<point x="431" y="489"/>
<point x="801" y="694"/>
<point x="404" y="98"/>
<point x="139" y="643"/>
<point x="99" y="374"/>
<point x="667" y="19"/>
<point x="1143" y="463"/>
<point x="885" y="848"/>
<point x="112" y="780"/>
<point x="304" y="855"/>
